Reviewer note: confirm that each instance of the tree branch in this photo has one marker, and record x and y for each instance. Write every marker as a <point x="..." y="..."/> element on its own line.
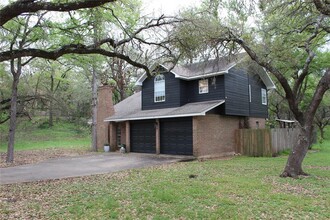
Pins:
<point x="309" y="59"/>
<point x="322" y="6"/>
<point x="68" y="49"/>
<point x="162" y="20"/>
<point x="322" y="87"/>
<point x="279" y="76"/>
<point x="30" y="6"/>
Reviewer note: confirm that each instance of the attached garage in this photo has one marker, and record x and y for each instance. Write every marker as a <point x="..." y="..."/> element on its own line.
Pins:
<point x="176" y="136"/>
<point x="143" y="136"/>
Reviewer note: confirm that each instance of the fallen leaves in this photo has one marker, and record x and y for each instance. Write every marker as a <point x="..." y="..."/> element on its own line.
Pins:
<point x="36" y="156"/>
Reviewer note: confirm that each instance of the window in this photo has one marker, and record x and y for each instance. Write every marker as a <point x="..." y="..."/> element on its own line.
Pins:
<point x="159" y="94"/>
<point x="203" y="86"/>
<point x="264" y="96"/>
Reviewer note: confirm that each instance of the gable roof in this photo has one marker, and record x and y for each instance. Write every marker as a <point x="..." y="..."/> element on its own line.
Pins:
<point x="130" y="109"/>
<point x="207" y="69"/>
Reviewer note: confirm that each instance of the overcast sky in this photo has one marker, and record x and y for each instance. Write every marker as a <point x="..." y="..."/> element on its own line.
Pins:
<point x="167" y="6"/>
<point x="159" y="6"/>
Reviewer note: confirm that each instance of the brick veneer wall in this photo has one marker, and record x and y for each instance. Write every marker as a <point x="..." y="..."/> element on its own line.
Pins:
<point x="253" y="123"/>
<point x="104" y="109"/>
<point x="214" y="135"/>
<point x="122" y="126"/>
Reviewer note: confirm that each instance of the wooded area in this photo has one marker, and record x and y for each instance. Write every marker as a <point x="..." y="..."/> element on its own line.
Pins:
<point x="53" y="55"/>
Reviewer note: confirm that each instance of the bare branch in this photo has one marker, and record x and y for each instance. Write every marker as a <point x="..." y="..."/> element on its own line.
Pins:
<point x="162" y="20"/>
<point x="30" y="6"/>
<point x="322" y="6"/>
<point x="68" y="49"/>
<point x="322" y="87"/>
<point x="309" y="59"/>
<point x="279" y="76"/>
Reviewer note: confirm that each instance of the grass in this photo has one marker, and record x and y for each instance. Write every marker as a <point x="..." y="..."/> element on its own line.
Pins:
<point x="237" y="188"/>
<point x="33" y="135"/>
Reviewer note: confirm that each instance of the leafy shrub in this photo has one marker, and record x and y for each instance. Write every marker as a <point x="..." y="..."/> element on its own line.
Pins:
<point x="44" y="125"/>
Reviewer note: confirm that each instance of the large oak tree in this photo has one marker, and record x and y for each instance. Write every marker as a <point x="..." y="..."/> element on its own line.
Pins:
<point x="33" y="29"/>
<point x="282" y="36"/>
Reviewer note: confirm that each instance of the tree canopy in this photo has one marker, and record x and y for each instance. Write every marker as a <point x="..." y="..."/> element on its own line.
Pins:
<point x="285" y="37"/>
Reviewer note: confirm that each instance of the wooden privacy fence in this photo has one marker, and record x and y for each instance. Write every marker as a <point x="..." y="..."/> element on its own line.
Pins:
<point x="265" y="142"/>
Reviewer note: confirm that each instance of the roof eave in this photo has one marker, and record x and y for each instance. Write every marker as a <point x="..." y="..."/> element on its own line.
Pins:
<point x="203" y="113"/>
<point x="205" y="75"/>
<point x="270" y="85"/>
<point x="144" y="75"/>
<point x="200" y="76"/>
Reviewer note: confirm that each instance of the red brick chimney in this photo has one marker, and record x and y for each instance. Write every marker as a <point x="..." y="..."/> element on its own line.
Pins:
<point x="104" y="109"/>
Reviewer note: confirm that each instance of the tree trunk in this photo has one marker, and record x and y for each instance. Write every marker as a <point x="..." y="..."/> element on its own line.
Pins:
<point x="13" y="111"/>
<point x="293" y="166"/>
<point x="94" y="110"/>
<point x="51" y="103"/>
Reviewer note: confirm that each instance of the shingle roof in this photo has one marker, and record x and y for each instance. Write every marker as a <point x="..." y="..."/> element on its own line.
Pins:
<point x="209" y="68"/>
<point x="130" y="109"/>
<point x="216" y="66"/>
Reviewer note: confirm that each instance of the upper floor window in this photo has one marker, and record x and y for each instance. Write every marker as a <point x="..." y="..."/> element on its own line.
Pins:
<point x="159" y="94"/>
<point x="203" y="86"/>
<point x="264" y="96"/>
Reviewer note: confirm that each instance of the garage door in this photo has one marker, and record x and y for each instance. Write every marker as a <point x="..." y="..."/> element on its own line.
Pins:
<point x="176" y="136"/>
<point x="143" y="136"/>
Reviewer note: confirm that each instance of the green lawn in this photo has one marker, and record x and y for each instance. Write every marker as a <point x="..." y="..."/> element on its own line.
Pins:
<point x="37" y="135"/>
<point x="238" y="188"/>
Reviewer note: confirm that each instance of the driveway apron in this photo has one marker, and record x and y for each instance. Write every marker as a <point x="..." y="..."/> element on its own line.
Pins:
<point x="80" y="166"/>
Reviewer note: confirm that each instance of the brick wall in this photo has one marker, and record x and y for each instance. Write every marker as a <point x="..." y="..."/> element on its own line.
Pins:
<point x="122" y="126"/>
<point x="214" y="135"/>
<point x="104" y="109"/>
<point x="257" y="123"/>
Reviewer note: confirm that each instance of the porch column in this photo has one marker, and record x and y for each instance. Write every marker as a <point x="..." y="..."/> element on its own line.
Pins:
<point x="128" y="137"/>
<point x="112" y="136"/>
<point x="157" y="137"/>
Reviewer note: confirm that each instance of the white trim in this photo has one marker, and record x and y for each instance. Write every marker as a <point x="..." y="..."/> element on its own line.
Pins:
<point x="203" y="113"/>
<point x="285" y="120"/>
<point x="144" y="75"/>
<point x="155" y="117"/>
<point x="264" y="95"/>
<point x="141" y="79"/>
<point x="267" y="80"/>
<point x="200" y="76"/>
<point x="250" y="95"/>
<point x="157" y="83"/>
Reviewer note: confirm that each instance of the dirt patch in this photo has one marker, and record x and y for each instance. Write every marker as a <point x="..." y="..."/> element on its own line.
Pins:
<point x="319" y="167"/>
<point x="36" y="156"/>
<point x="294" y="188"/>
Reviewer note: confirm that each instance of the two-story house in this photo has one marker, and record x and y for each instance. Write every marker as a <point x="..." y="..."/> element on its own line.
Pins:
<point x="192" y="109"/>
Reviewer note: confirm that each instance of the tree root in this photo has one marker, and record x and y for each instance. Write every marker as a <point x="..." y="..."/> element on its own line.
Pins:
<point x="294" y="175"/>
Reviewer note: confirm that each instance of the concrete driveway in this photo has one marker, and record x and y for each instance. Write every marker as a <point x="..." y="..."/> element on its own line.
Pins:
<point x="82" y="166"/>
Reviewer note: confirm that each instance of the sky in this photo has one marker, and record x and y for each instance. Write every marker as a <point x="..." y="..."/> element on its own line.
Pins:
<point x="162" y="6"/>
<point x="167" y="7"/>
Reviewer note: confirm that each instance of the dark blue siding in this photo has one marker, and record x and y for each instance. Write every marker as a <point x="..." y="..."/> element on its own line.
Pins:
<point x="172" y="93"/>
<point x="216" y="90"/>
<point x="257" y="109"/>
<point x="184" y="95"/>
<point x="233" y="87"/>
<point x="237" y="93"/>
